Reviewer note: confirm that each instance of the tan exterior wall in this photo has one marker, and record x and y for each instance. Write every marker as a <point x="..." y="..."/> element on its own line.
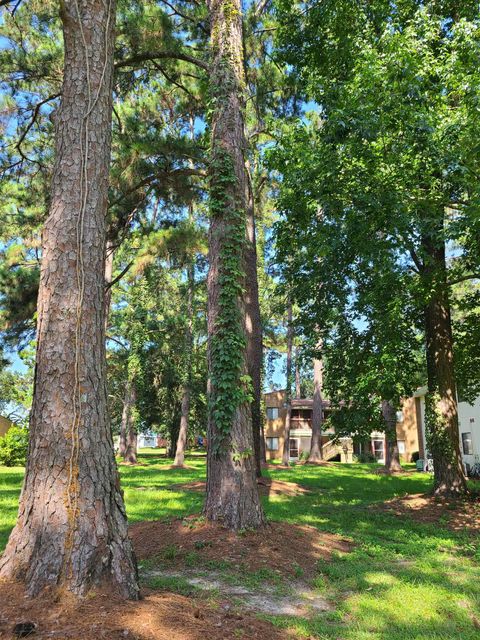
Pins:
<point x="4" y="426"/>
<point x="408" y="429"/>
<point x="275" y="428"/>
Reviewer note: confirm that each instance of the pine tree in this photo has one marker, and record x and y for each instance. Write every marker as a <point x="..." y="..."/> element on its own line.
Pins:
<point x="72" y="528"/>
<point x="232" y="493"/>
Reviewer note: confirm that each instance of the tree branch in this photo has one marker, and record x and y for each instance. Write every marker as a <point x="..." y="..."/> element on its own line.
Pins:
<point x="416" y="260"/>
<point x="471" y="276"/>
<point x="178" y="13"/>
<point x="110" y="284"/>
<point x="149" y="179"/>
<point x="4" y="3"/>
<point x="36" y="111"/>
<point x="122" y="344"/>
<point x="160" y="55"/>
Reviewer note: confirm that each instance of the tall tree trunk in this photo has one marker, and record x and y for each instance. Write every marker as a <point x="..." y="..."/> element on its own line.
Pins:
<point x="392" y="455"/>
<point x="298" y="384"/>
<point x="288" y="390"/>
<point x="125" y="422"/>
<point x="253" y="323"/>
<point x="315" y="454"/>
<point x="232" y="492"/>
<point x="185" y="409"/>
<point x="131" y="437"/>
<point x="263" y="450"/>
<point x="179" y="460"/>
<point x="72" y="527"/>
<point x="441" y="412"/>
<point x="132" y="445"/>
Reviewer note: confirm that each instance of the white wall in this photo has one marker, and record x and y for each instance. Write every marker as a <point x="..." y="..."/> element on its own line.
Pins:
<point x="147" y="440"/>
<point x="468" y="421"/>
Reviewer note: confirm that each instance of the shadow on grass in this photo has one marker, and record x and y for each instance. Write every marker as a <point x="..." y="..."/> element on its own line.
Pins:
<point x="403" y="580"/>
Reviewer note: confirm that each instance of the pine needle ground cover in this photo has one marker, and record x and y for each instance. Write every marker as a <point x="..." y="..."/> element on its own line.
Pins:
<point x="390" y="573"/>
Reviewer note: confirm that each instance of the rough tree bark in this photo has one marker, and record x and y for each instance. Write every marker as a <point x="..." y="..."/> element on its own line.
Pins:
<point x="125" y="421"/>
<point x="315" y="454"/>
<point x="232" y="492"/>
<point x="392" y="455"/>
<point x="253" y="323"/>
<point x="72" y="527"/>
<point x="185" y="409"/>
<point x="288" y="390"/>
<point x="441" y="411"/>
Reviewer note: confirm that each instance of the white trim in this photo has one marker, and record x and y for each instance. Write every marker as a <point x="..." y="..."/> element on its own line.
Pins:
<point x="301" y="433"/>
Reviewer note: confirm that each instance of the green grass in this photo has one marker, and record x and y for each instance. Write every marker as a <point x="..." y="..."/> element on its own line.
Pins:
<point x="403" y="579"/>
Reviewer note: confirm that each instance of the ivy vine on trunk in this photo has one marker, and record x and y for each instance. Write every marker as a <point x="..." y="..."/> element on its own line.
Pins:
<point x="232" y="492"/>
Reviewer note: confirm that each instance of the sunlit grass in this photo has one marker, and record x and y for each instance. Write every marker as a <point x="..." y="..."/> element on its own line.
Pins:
<point x="403" y="580"/>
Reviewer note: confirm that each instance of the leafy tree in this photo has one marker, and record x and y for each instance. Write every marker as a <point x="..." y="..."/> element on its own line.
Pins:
<point x="16" y="389"/>
<point x="390" y="157"/>
<point x="13" y="447"/>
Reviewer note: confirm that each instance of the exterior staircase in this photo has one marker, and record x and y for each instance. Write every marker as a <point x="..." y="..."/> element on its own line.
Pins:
<point x="331" y="449"/>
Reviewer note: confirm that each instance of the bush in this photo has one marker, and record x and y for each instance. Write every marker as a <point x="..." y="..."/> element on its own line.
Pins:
<point x="365" y="457"/>
<point x="13" y="447"/>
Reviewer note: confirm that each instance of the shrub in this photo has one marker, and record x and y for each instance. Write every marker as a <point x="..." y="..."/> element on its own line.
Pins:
<point x="13" y="447"/>
<point x="365" y="457"/>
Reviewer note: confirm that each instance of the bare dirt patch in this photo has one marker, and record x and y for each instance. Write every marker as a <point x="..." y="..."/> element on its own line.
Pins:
<point x="297" y="600"/>
<point x="158" y="616"/>
<point x="287" y="549"/>
<point x="266" y="486"/>
<point x="457" y="515"/>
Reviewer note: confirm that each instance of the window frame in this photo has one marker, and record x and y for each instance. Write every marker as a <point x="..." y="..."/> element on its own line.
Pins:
<point x="382" y="443"/>
<point x="272" y="409"/>
<point x="468" y="439"/>
<point x="271" y="439"/>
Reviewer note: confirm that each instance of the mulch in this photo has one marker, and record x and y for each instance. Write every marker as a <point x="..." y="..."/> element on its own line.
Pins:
<point x="166" y="616"/>
<point x="158" y="616"/>
<point x="456" y="515"/>
<point x="266" y="486"/>
<point x="279" y="546"/>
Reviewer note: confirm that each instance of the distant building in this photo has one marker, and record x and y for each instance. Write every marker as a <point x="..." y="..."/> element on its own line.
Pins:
<point x="468" y="427"/>
<point x="147" y="440"/>
<point x="5" y="425"/>
<point x="408" y="431"/>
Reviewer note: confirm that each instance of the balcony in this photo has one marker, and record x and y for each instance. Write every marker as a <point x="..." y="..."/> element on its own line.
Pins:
<point x="297" y="422"/>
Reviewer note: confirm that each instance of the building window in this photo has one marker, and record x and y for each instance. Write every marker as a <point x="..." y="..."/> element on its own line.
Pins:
<point x="272" y="413"/>
<point x="294" y="448"/>
<point x="379" y="450"/>
<point x="401" y="447"/>
<point x="467" y="443"/>
<point x="400" y="416"/>
<point x="272" y="444"/>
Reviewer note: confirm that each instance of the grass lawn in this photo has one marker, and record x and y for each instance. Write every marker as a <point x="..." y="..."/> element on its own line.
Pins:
<point x="402" y="580"/>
